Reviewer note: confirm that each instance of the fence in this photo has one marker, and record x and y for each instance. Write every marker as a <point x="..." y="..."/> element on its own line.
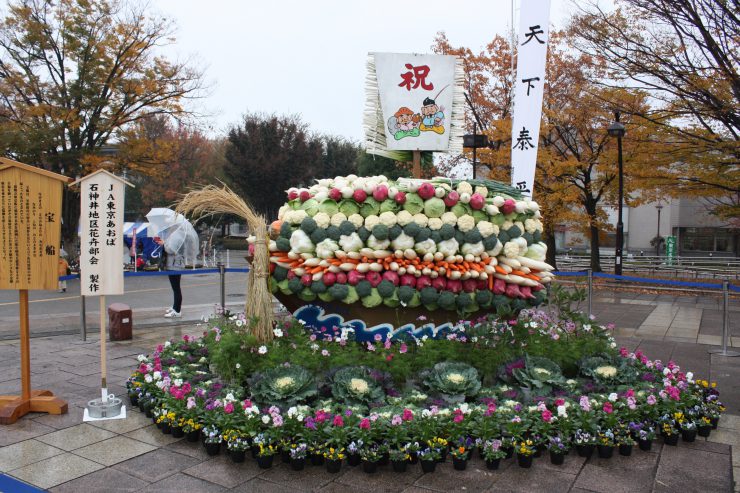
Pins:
<point x="722" y="268"/>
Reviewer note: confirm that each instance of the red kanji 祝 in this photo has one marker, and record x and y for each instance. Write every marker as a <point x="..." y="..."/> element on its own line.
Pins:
<point x="415" y="77"/>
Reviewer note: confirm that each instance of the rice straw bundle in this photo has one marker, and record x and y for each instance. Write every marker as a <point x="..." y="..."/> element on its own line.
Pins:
<point x="211" y="200"/>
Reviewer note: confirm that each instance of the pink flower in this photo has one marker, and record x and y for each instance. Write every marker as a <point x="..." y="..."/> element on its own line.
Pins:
<point x="247" y="403"/>
<point x="396" y="420"/>
<point x="629" y="393"/>
<point x="229" y="408"/>
<point x="560" y="402"/>
<point x="324" y="352"/>
<point x="387" y="344"/>
<point x="585" y="404"/>
<point x="631" y="403"/>
<point x="458" y="418"/>
<point x="338" y="421"/>
<point x="321" y="415"/>
<point x="365" y="424"/>
<point x="277" y="420"/>
<point x="491" y="408"/>
<point x="408" y="415"/>
<point x="546" y="416"/>
<point x="378" y="337"/>
<point x="370" y="347"/>
<point x="389" y="357"/>
<point x="191" y="403"/>
<point x="403" y="348"/>
<point x="608" y="409"/>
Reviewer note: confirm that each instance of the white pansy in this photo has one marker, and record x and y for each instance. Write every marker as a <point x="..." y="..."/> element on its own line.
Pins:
<point x="148" y="378"/>
<point x="613" y="397"/>
<point x="262" y="349"/>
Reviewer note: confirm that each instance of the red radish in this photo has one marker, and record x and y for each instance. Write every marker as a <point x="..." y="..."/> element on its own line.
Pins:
<point x="526" y="291"/>
<point x="451" y="198"/>
<point x="360" y="195"/>
<point x="426" y="191"/>
<point x="454" y="285"/>
<point x="481" y="284"/>
<point x="374" y="278"/>
<point x="354" y="277"/>
<point x="469" y="285"/>
<point x="250" y="249"/>
<point x="341" y="278"/>
<point x="335" y="194"/>
<point x="439" y="283"/>
<point x="329" y="278"/>
<point x="408" y="280"/>
<point x="499" y="286"/>
<point x="391" y="276"/>
<point x="291" y="275"/>
<point x="306" y="279"/>
<point x="477" y="201"/>
<point x="380" y="193"/>
<point x="423" y="282"/>
<point x="509" y="206"/>
<point x="292" y="195"/>
<point x="400" y="198"/>
<point x="512" y="291"/>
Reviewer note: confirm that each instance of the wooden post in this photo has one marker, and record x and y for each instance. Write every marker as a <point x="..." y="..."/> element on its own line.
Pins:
<point x="103" y="364"/>
<point x="25" y="346"/>
<point x="416" y="170"/>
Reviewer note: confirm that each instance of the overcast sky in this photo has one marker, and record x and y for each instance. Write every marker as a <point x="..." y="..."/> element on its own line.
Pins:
<point x="308" y="57"/>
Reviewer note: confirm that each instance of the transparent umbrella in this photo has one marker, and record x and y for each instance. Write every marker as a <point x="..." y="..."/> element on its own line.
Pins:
<point x="176" y="232"/>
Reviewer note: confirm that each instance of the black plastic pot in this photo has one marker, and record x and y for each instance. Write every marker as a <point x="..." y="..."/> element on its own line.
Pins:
<point x="265" y="461"/>
<point x="166" y="428"/>
<point x="585" y="450"/>
<point x="714" y="422"/>
<point x="459" y="463"/>
<point x="524" y="461"/>
<point x="509" y="452"/>
<point x="625" y="450"/>
<point x="556" y="458"/>
<point x="237" y="456"/>
<point x="354" y="460"/>
<point x="285" y="456"/>
<point x="606" y="451"/>
<point x="212" y="448"/>
<point x="255" y="451"/>
<point x="297" y="464"/>
<point x="671" y="440"/>
<point x="333" y="466"/>
<point x="192" y="436"/>
<point x="317" y="460"/>
<point x="493" y="464"/>
<point x="688" y="435"/>
<point x="413" y="457"/>
<point x="399" y="465"/>
<point x="443" y="456"/>
<point x="177" y="432"/>
<point x="428" y="465"/>
<point x="134" y="398"/>
<point x="369" y="466"/>
<point x="384" y="459"/>
<point x="645" y="445"/>
<point x="704" y="431"/>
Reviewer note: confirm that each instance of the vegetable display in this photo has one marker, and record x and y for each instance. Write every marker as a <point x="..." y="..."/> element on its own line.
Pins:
<point x="442" y="244"/>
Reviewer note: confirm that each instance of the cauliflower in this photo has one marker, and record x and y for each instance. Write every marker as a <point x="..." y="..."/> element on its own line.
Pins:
<point x="326" y="248"/>
<point x="356" y="219"/>
<point x="376" y="244"/>
<point x="435" y="223"/>
<point x="530" y="225"/>
<point x="511" y="249"/>
<point x="485" y="228"/>
<point x="351" y="243"/>
<point x="322" y="220"/>
<point x="496" y="229"/>
<point x="296" y="217"/>
<point x="473" y="248"/>
<point x="483" y="191"/>
<point x="421" y="220"/>
<point x="300" y="242"/>
<point x="449" y="218"/>
<point x="426" y="246"/>
<point x="448" y="247"/>
<point x="404" y="217"/>
<point x="282" y="211"/>
<point x="464" y="187"/>
<point x="496" y="250"/>
<point x="388" y="218"/>
<point x="403" y="242"/>
<point x="371" y="221"/>
<point x="507" y="225"/>
<point x="465" y="223"/>
<point x="519" y="225"/>
<point x="338" y="219"/>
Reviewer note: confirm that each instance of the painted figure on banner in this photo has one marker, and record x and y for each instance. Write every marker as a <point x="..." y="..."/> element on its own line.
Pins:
<point x="405" y="123"/>
<point x="433" y="117"/>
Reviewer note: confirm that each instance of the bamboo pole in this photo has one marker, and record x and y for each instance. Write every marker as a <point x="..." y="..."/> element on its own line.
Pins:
<point x="103" y="364"/>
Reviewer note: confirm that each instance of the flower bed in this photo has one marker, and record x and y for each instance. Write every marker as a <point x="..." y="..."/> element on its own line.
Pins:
<point x="525" y="386"/>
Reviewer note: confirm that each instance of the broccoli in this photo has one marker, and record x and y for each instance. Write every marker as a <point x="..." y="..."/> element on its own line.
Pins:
<point x="464" y="301"/>
<point x="514" y="232"/>
<point x="363" y="233"/>
<point x="518" y="305"/>
<point x="394" y="232"/>
<point x="307" y="295"/>
<point x="483" y="298"/>
<point x="295" y="285"/>
<point x="363" y="288"/>
<point x="333" y="233"/>
<point x="473" y="236"/>
<point x="435" y="237"/>
<point x="286" y="230"/>
<point x="386" y="289"/>
<point x="537" y="236"/>
<point x="308" y="225"/>
<point x="380" y="231"/>
<point x="500" y="302"/>
<point x="283" y="244"/>
<point x="412" y="229"/>
<point x="279" y="273"/>
<point x="318" y="287"/>
<point x="460" y="237"/>
<point x="318" y="236"/>
<point x="528" y="237"/>
<point x="446" y="300"/>
<point x="429" y="296"/>
<point x="339" y="291"/>
<point x="406" y="293"/>
<point x="490" y="242"/>
<point x="503" y="237"/>
<point x="346" y="228"/>
<point x="423" y="235"/>
<point x="447" y="231"/>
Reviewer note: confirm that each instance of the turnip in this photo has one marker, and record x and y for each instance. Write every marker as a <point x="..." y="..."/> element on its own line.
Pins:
<point x="408" y="280"/>
<point x="477" y="201"/>
<point x="469" y="285"/>
<point x="509" y="206"/>
<point x="499" y="286"/>
<point x="359" y="195"/>
<point x="335" y="194"/>
<point x="304" y="195"/>
<point x="341" y="278"/>
<point x="423" y="282"/>
<point x="374" y="278"/>
<point x="440" y="284"/>
<point x="354" y="277"/>
<point x="454" y="286"/>
<point x="380" y="193"/>
<point x="400" y="198"/>
<point x="451" y="198"/>
<point x="391" y="276"/>
<point x="426" y="191"/>
<point x="329" y="278"/>
<point x="306" y="279"/>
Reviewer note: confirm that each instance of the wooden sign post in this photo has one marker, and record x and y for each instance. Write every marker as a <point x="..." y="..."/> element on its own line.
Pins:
<point x="101" y="249"/>
<point x="30" y="230"/>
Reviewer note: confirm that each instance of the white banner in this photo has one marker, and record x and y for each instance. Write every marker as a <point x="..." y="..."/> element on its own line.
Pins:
<point x="530" y="80"/>
<point x="101" y="240"/>
<point x="416" y="96"/>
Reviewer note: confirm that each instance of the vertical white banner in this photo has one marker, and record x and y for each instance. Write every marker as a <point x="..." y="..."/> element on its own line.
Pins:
<point x="528" y="87"/>
<point x="101" y="240"/>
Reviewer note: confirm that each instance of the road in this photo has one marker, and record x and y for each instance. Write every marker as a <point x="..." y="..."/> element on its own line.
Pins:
<point x="51" y="312"/>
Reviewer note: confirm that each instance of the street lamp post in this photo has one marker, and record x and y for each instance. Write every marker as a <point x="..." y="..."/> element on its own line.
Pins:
<point x="617" y="130"/>
<point x="474" y="141"/>
<point x="657" y="236"/>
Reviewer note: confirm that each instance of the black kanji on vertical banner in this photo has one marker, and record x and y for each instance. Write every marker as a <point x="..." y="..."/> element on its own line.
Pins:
<point x="529" y="83"/>
<point x="532" y="34"/>
<point x="524" y="140"/>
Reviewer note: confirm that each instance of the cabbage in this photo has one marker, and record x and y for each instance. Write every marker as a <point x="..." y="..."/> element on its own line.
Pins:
<point x="307" y="295"/>
<point x="372" y="300"/>
<point x="348" y="207"/>
<point x="329" y="207"/>
<point x="389" y="206"/>
<point x="310" y="206"/>
<point x="352" y="296"/>
<point x="480" y="216"/>
<point x="369" y="207"/>
<point x="414" y="204"/>
<point x="434" y="207"/>
<point x="284" y="286"/>
<point x="461" y="209"/>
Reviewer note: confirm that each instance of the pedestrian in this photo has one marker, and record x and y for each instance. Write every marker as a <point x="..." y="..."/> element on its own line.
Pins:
<point x="173" y="261"/>
<point x="63" y="270"/>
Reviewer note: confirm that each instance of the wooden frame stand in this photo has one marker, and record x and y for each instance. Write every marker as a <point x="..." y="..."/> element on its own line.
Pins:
<point x="13" y="407"/>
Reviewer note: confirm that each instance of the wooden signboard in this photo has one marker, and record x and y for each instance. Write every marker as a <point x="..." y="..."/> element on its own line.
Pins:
<point x="30" y="230"/>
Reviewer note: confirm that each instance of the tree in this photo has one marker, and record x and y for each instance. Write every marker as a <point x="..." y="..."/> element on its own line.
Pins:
<point x="686" y="53"/>
<point x="73" y="73"/>
<point x="266" y="155"/>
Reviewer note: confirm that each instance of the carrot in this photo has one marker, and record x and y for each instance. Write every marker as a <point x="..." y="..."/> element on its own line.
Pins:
<point x="490" y="283"/>
<point x="500" y="270"/>
<point x="315" y="270"/>
<point x="532" y="276"/>
<point x="476" y="267"/>
<point x="296" y="263"/>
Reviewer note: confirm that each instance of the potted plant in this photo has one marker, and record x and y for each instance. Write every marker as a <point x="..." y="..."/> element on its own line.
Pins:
<point x="212" y="439"/>
<point x="687" y="426"/>
<point x="460" y="455"/>
<point x="439" y="444"/>
<point x="645" y="437"/>
<point x="557" y="448"/>
<point x="704" y="427"/>
<point x="525" y="453"/>
<point x="585" y="443"/>
<point x="413" y="450"/>
<point x="334" y="458"/>
<point x="191" y="428"/>
<point x="670" y="433"/>
<point x="399" y="459"/>
<point x="492" y="453"/>
<point x="266" y="455"/>
<point x="428" y="457"/>
<point x="298" y="453"/>
<point x="353" y="453"/>
<point x="316" y="453"/>
<point x="236" y="444"/>
<point x="370" y="455"/>
<point x="605" y="443"/>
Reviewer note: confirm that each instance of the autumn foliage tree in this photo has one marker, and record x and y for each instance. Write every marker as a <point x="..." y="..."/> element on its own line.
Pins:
<point x="74" y="73"/>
